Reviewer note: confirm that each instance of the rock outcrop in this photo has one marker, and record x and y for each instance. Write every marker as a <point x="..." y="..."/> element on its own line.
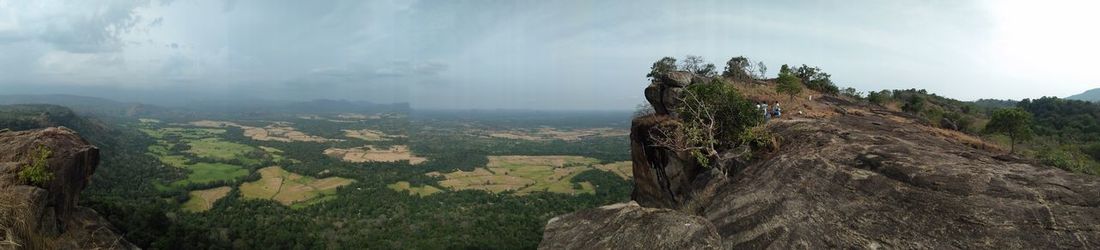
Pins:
<point x="46" y="215"/>
<point x="634" y="226"/>
<point x="861" y="178"/>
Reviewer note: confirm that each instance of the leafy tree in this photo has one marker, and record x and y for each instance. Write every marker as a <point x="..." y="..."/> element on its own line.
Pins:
<point x="878" y="98"/>
<point x="816" y="79"/>
<point x="737" y="68"/>
<point x="712" y="118"/>
<point x="1014" y="122"/>
<point x="708" y="70"/>
<point x="788" y="84"/>
<point x="37" y="172"/>
<point x="852" y="92"/>
<point x="785" y="70"/>
<point x="914" y="104"/>
<point x="661" y="67"/>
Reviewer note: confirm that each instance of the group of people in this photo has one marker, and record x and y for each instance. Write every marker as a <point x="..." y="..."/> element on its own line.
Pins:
<point x="769" y="112"/>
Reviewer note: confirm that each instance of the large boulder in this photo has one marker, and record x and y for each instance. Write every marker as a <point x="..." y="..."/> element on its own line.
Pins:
<point x="629" y="226"/>
<point x="46" y="215"/>
<point x="662" y="177"/>
<point x="664" y="92"/>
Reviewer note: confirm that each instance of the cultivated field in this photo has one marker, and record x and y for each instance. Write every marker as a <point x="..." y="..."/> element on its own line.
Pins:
<point x="371" y="154"/>
<point x="202" y="200"/>
<point x="278" y="131"/>
<point x="289" y="188"/>
<point x="523" y="174"/>
<point x="545" y="134"/>
<point x="369" y="135"/>
<point x="426" y="190"/>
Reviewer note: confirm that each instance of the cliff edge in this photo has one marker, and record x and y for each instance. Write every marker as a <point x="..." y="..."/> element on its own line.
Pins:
<point x="850" y="176"/>
<point x="45" y="215"/>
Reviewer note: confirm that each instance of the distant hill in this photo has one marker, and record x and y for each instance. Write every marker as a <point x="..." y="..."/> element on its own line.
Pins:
<point x="1092" y="95"/>
<point x="85" y="104"/>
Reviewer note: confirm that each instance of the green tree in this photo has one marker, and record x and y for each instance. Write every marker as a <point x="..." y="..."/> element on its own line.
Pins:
<point x="1014" y="122"/>
<point x="661" y="67"/>
<point x="914" y="104"/>
<point x="788" y="84"/>
<point x="737" y="68"/>
<point x="712" y="118"/>
<point x="37" y="173"/>
<point x="879" y="97"/>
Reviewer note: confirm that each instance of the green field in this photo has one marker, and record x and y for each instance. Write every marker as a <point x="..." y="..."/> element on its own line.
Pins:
<point x="204" y="172"/>
<point x="218" y="149"/>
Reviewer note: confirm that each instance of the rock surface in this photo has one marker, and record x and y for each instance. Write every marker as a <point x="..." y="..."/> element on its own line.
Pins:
<point x="866" y="178"/>
<point x="630" y="226"/>
<point x="47" y="215"/>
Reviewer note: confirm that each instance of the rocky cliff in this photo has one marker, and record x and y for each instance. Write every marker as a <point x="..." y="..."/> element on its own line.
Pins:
<point x="46" y="215"/>
<point x="851" y="176"/>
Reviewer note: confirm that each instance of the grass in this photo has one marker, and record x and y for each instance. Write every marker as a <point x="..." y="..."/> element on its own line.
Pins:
<point x="205" y="172"/>
<point x="404" y="186"/>
<point x="202" y="200"/>
<point x="525" y="174"/>
<point x="623" y="169"/>
<point x="291" y="189"/>
<point x="218" y="149"/>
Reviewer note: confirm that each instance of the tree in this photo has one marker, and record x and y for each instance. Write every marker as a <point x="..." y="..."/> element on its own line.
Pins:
<point x="879" y="97"/>
<point x="692" y="63"/>
<point x="712" y="117"/>
<point x="738" y="69"/>
<point x="816" y="79"/>
<point x="914" y="104"/>
<point x="785" y="70"/>
<point x="788" y="84"/>
<point x="760" y="66"/>
<point x="708" y="70"/>
<point x="661" y="67"/>
<point x="1014" y="122"/>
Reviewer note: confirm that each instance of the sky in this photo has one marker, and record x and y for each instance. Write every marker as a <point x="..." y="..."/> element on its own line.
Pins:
<point x="546" y="55"/>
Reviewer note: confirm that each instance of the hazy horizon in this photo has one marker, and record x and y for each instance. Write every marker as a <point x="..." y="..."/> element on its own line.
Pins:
<point x="528" y="55"/>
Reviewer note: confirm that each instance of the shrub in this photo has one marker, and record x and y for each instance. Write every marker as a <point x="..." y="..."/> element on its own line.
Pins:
<point x="760" y="140"/>
<point x="878" y="98"/>
<point x="914" y="104"/>
<point x="37" y="173"/>
<point x="788" y="84"/>
<point x="712" y="117"/>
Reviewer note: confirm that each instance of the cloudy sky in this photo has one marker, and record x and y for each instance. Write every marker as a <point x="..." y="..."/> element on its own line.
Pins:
<point x="530" y="54"/>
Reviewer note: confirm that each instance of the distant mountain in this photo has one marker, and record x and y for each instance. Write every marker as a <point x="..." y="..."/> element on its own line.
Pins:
<point x="1092" y="95"/>
<point x="85" y="104"/>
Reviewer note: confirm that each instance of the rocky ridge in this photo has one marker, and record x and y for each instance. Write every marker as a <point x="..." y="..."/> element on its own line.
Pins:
<point x="859" y="177"/>
<point x="46" y="216"/>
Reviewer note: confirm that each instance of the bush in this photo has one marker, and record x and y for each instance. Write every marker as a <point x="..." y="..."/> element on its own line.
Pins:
<point x="760" y="140"/>
<point x="788" y="84"/>
<point x="878" y="98"/>
<point x="914" y="104"/>
<point x="1064" y="160"/>
<point x="37" y="173"/>
<point x="713" y="116"/>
